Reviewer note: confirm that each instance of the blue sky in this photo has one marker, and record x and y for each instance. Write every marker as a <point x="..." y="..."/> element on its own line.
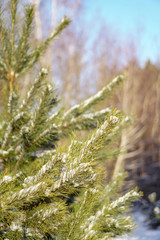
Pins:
<point x="138" y="18"/>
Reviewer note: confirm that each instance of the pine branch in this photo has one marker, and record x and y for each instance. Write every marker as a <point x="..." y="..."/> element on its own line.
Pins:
<point x="2" y="34"/>
<point x="46" y="103"/>
<point x="39" y="50"/>
<point x="13" y="12"/>
<point x="73" y="171"/>
<point x="10" y="128"/>
<point x="42" y="47"/>
<point x="101" y="95"/>
<point x="12" y="103"/>
<point x="22" y="47"/>
<point x="91" y="226"/>
<point x="80" y="213"/>
<point x="3" y="68"/>
<point x="84" y="121"/>
<point x="33" y="90"/>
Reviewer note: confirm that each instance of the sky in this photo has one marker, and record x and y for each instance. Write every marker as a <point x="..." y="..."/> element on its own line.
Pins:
<point x="139" y="19"/>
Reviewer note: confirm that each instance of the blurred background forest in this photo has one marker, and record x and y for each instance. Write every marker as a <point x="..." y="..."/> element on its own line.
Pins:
<point x="89" y="54"/>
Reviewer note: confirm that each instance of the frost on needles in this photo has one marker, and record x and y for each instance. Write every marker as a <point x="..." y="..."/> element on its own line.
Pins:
<point x="37" y="178"/>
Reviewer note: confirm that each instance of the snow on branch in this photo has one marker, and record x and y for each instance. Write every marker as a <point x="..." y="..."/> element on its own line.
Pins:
<point x="99" y="96"/>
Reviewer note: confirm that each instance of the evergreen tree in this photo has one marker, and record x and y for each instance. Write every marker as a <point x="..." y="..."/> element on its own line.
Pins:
<point x="37" y="178"/>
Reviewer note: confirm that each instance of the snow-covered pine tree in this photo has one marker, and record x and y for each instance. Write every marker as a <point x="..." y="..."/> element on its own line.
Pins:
<point x="37" y="180"/>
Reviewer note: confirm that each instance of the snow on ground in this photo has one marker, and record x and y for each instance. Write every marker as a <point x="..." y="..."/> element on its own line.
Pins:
<point x="142" y="232"/>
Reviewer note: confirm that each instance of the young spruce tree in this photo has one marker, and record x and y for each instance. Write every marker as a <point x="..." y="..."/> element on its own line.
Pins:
<point x="37" y="178"/>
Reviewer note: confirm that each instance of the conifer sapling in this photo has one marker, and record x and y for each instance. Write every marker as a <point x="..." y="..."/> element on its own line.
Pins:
<point x="37" y="177"/>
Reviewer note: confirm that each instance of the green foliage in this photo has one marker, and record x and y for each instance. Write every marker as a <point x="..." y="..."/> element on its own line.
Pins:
<point x="37" y="178"/>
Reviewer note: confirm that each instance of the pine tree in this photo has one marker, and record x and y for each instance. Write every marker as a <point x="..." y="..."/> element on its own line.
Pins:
<point x="37" y="177"/>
